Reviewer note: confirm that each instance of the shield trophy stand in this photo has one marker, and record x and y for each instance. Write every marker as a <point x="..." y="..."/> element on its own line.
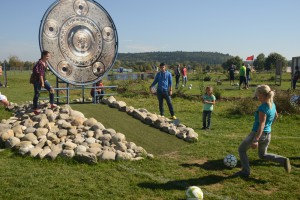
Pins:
<point x="82" y="39"/>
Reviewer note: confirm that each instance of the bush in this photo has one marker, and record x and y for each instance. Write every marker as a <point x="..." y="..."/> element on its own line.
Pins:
<point x="283" y="103"/>
<point x="218" y="93"/>
<point x="244" y="106"/>
<point x="207" y="78"/>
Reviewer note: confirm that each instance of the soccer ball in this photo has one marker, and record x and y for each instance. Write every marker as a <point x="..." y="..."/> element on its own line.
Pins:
<point x="230" y="161"/>
<point x="295" y="100"/>
<point x="194" y="193"/>
<point x="182" y="85"/>
<point x="153" y="90"/>
<point x="190" y="88"/>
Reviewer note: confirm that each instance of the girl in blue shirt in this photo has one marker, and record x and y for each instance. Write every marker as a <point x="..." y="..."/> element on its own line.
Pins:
<point x="260" y="136"/>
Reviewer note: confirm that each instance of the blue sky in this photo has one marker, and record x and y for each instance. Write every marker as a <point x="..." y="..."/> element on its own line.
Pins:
<point x="237" y="27"/>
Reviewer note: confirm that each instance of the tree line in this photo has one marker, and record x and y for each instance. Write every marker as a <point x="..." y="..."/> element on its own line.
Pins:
<point x="148" y="61"/>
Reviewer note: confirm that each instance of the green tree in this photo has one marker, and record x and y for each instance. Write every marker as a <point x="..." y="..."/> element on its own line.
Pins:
<point x="259" y="62"/>
<point x="272" y="59"/>
<point x="15" y="62"/>
<point x="236" y="61"/>
<point x="28" y="65"/>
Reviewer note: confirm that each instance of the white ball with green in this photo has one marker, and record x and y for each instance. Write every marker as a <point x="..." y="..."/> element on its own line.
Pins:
<point x="153" y="90"/>
<point x="194" y="193"/>
<point x="230" y="161"/>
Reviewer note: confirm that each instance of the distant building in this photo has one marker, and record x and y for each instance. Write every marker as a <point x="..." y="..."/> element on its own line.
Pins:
<point x="122" y="69"/>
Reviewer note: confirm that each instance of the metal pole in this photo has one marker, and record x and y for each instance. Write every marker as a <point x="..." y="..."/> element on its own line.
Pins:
<point x="83" y="94"/>
<point x="57" y="92"/>
<point x="5" y="75"/>
<point x="68" y="94"/>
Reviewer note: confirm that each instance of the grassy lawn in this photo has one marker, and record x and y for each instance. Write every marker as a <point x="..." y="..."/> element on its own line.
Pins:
<point x="176" y="165"/>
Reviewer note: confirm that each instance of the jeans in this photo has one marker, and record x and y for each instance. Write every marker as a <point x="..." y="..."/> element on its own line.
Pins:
<point x="206" y="116"/>
<point x="184" y="80"/>
<point x="294" y="83"/>
<point x="37" y="87"/>
<point x="177" y="81"/>
<point x="98" y="96"/>
<point x="164" y="95"/>
<point x="263" y="144"/>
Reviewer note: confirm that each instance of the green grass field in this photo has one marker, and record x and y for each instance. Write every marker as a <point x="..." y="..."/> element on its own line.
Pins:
<point x="176" y="165"/>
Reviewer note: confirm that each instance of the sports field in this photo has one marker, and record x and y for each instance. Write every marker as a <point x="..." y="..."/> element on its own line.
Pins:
<point x="176" y="164"/>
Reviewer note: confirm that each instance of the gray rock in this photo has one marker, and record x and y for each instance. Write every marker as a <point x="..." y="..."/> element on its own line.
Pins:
<point x="121" y="146"/>
<point x="41" y="131"/>
<point x="67" y="153"/>
<point x="97" y="126"/>
<point x="90" y="122"/>
<point x="118" y="137"/>
<point x="11" y="142"/>
<point x="29" y="130"/>
<point x="7" y="134"/>
<point x="107" y="155"/>
<point x="62" y="132"/>
<point x="80" y="148"/>
<point x="70" y="145"/>
<point x="123" y="156"/>
<point x="35" y="151"/>
<point x="86" y="157"/>
<point x="30" y="137"/>
<point x="18" y="131"/>
<point x="109" y="131"/>
<point x="94" y="150"/>
<point x="90" y="140"/>
<point x="43" y="153"/>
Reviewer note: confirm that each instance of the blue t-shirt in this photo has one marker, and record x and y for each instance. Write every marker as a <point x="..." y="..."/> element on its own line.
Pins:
<point x="208" y="106"/>
<point x="163" y="81"/>
<point x="270" y="113"/>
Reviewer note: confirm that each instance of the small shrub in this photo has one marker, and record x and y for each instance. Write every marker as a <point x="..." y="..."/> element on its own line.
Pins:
<point x="244" y="106"/>
<point x="218" y="93"/>
<point x="272" y="78"/>
<point x="207" y="78"/>
<point x="283" y="103"/>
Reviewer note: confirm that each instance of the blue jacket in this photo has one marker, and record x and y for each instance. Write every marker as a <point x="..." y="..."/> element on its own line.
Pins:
<point x="163" y="81"/>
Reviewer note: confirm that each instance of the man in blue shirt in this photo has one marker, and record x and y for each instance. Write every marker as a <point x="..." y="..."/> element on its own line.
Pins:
<point x="163" y="79"/>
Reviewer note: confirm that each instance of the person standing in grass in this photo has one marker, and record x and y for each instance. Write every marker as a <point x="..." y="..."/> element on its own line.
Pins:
<point x="296" y="77"/>
<point x="243" y="77"/>
<point x="163" y="79"/>
<point x="248" y="72"/>
<point x="209" y="101"/>
<point x="39" y="81"/>
<point x="99" y="92"/>
<point x="231" y="70"/>
<point x="184" y="75"/>
<point x="260" y="135"/>
<point x="177" y="75"/>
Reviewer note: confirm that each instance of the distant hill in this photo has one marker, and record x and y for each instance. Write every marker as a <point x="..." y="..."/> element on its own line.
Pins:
<point x="204" y="58"/>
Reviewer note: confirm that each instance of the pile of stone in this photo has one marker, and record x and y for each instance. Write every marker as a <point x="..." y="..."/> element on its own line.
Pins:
<point x="65" y="132"/>
<point x="157" y="121"/>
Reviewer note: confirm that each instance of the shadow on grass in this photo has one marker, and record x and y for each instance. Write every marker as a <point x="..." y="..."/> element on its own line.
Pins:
<point x="218" y="165"/>
<point x="295" y="158"/>
<point x="215" y="165"/>
<point x="210" y="165"/>
<point x="200" y="181"/>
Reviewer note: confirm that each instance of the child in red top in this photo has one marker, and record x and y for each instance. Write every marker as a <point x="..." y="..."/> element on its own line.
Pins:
<point x="99" y="91"/>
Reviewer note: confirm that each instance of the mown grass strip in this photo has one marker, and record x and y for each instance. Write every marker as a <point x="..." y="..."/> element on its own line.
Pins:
<point x="153" y="140"/>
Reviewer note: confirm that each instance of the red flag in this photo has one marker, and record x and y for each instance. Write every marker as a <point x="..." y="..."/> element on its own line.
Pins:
<point x="250" y="58"/>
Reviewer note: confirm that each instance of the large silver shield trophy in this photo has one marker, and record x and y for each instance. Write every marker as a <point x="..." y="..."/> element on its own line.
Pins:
<point x="82" y="40"/>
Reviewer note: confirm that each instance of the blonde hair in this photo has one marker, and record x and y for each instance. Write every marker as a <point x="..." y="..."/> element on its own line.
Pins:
<point x="210" y="88"/>
<point x="267" y="92"/>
